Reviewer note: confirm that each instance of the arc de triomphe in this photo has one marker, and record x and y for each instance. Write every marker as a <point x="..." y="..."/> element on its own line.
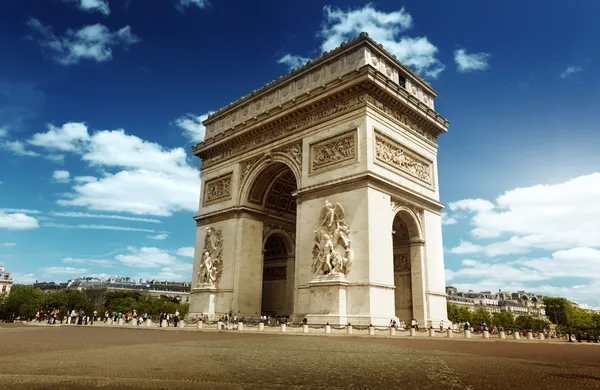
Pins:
<point x="320" y="196"/>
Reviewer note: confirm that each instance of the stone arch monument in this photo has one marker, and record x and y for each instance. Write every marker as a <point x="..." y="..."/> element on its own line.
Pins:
<point x="320" y="196"/>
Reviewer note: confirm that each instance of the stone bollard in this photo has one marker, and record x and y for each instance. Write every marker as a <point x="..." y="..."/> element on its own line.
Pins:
<point x="392" y="331"/>
<point x="413" y="332"/>
<point x="349" y="329"/>
<point x="219" y="325"/>
<point x="529" y="336"/>
<point x="304" y="328"/>
<point x="109" y="321"/>
<point x="449" y="333"/>
<point x="486" y="334"/>
<point x="148" y="322"/>
<point x="283" y="328"/>
<point x="181" y="324"/>
<point x="517" y="336"/>
<point x="327" y="329"/>
<point x="121" y="322"/>
<point x="467" y="334"/>
<point x="431" y="332"/>
<point x="541" y="336"/>
<point x="68" y="320"/>
<point x="502" y="335"/>
<point x="200" y="324"/>
<point x="371" y="331"/>
<point x="261" y="326"/>
<point x="163" y="323"/>
<point x="240" y="326"/>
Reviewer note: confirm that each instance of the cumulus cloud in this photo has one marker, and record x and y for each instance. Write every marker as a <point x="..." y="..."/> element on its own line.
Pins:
<point x="3" y="132"/>
<point x="92" y="5"/>
<point x="17" y="221"/>
<point x="26" y="211"/>
<point x="387" y="28"/>
<point x="192" y="126"/>
<point x="61" y="176"/>
<point x="93" y="42"/>
<point x="571" y="70"/>
<point x="161" y="236"/>
<point x="186" y="252"/>
<point x="538" y="233"/>
<point x="292" y="60"/>
<point x="447" y="220"/>
<point x="137" y="176"/>
<point x="7" y="244"/>
<point x="18" y="148"/>
<point x="470" y="62"/>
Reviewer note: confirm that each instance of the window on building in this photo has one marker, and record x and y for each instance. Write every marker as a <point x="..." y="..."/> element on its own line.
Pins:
<point x="3" y="288"/>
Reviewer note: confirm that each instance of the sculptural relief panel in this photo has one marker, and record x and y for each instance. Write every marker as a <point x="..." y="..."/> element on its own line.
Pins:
<point x="332" y="247"/>
<point x="217" y="190"/>
<point x="401" y="159"/>
<point x="334" y="152"/>
<point x="211" y="265"/>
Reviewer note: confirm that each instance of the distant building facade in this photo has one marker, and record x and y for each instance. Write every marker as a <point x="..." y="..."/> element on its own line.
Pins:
<point x="518" y="303"/>
<point x="6" y="281"/>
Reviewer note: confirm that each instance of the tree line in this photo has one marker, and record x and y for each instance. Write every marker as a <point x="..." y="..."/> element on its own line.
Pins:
<point x="560" y="311"/>
<point x="26" y="301"/>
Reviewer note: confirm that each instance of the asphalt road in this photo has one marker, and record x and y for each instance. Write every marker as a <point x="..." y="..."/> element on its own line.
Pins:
<point x="34" y="357"/>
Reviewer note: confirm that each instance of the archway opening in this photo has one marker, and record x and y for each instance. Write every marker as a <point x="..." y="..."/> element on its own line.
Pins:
<point x="401" y="238"/>
<point x="272" y="193"/>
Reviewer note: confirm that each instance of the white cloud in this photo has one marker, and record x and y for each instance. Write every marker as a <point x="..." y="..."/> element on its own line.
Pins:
<point x="17" y="221"/>
<point x="471" y="62"/>
<point x="197" y="3"/>
<point x="3" y="132"/>
<point x="100" y="262"/>
<point x="23" y="278"/>
<point x="147" y="258"/>
<point x="70" y="137"/>
<point x="386" y="29"/>
<point x="26" y="211"/>
<point x="186" y="252"/>
<point x="101" y="216"/>
<point x="292" y="60"/>
<point x="61" y="176"/>
<point x="18" y="148"/>
<point x="93" y="42"/>
<point x="153" y="180"/>
<point x="92" y="5"/>
<point x="63" y="270"/>
<point x="571" y="70"/>
<point x="192" y="126"/>
<point x="161" y="236"/>
<point x="97" y="227"/>
<point x="466" y="247"/>
<point x="446" y="220"/>
<point x="7" y="244"/>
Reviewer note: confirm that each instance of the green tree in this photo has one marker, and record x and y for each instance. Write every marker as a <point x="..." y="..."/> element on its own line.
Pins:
<point x="557" y="310"/>
<point x="480" y="316"/>
<point x="24" y="301"/>
<point x="78" y="300"/>
<point x="452" y="312"/>
<point x="503" y="319"/>
<point x="56" y="300"/>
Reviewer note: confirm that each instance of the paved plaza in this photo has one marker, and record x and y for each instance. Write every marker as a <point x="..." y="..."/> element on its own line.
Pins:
<point x="38" y="357"/>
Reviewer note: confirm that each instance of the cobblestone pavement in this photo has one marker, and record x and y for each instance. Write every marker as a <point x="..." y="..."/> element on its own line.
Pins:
<point x="87" y="357"/>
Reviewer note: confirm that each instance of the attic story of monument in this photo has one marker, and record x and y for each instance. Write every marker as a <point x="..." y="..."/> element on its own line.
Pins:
<point x="320" y="196"/>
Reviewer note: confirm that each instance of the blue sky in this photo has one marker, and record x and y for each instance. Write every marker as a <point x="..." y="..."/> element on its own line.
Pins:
<point x="101" y="100"/>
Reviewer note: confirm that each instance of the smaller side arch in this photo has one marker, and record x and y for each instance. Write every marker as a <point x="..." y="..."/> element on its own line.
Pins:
<point x="259" y="168"/>
<point x="285" y="236"/>
<point x="412" y="221"/>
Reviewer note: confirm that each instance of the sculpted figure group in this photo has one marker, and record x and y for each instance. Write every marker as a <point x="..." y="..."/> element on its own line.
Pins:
<point x="331" y="235"/>
<point x="212" y="264"/>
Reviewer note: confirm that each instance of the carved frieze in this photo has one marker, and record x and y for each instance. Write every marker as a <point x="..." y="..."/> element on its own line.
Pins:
<point x="217" y="190"/>
<point x="400" y="158"/>
<point x="401" y="262"/>
<point x="246" y="166"/>
<point x="295" y="152"/>
<point x="292" y="125"/>
<point x="333" y="152"/>
<point x="402" y="118"/>
<point x="211" y="265"/>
